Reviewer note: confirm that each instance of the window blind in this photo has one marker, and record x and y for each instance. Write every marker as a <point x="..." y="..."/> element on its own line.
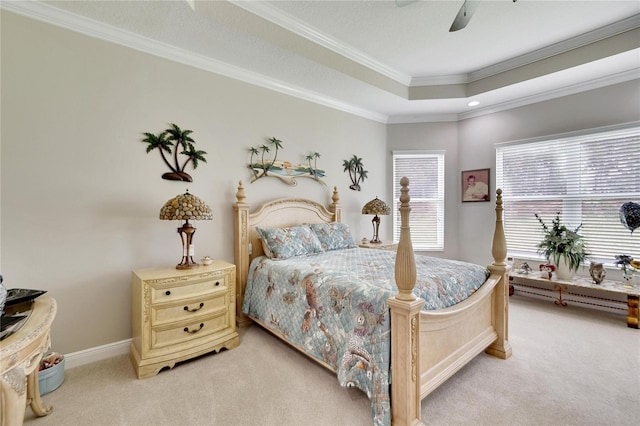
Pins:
<point x="425" y="171"/>
<point x="585" y="177"/>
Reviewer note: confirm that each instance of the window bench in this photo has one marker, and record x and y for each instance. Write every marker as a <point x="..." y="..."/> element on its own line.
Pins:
<point x="602" y="291"/>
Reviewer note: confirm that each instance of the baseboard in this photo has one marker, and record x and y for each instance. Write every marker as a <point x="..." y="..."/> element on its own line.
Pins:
<point x="98" y="353"/>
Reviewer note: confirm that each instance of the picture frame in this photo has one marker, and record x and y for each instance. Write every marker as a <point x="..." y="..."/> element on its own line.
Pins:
<point x="476" y="185"/>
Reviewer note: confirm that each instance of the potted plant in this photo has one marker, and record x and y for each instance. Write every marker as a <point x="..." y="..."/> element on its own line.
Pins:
<point x="562" y="246"/>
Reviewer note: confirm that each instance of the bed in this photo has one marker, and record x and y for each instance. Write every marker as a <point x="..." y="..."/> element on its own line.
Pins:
<point x="412" y="350"/>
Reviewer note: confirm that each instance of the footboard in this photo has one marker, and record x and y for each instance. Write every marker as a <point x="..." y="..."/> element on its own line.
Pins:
<point x="429" y="347"/>
<point x="450" y="338"/>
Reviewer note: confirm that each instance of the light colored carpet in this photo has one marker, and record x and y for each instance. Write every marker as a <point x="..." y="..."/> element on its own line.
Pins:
<point x="570" y="366"/>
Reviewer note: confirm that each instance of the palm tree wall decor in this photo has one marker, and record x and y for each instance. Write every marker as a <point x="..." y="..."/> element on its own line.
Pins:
<point x="261" y="165"/>
<point x="356" y="170"/>
<point x="175" y="141"/>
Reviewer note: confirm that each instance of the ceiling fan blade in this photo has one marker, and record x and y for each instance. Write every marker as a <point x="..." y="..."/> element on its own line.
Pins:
<point x="464" y="15"/>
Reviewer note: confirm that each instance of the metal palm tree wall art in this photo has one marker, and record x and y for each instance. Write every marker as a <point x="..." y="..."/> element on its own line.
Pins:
<point x="175" y="141"/>
<point x="356" y="170"/>
<point x="263" y="165"/>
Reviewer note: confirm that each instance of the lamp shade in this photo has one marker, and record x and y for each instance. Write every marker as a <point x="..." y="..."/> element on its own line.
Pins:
<point x="376" y="206"/>
<point x="185" y="207"/>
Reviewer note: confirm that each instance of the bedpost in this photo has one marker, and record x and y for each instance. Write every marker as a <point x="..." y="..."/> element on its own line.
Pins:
<point x="241" y="251"/>
<point x="405" y="326"/>
<point x="335" y="206"/>
<point x="501" y="347"/>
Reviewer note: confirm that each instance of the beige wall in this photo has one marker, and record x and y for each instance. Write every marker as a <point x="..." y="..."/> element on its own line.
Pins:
<point x="80" y="197"/>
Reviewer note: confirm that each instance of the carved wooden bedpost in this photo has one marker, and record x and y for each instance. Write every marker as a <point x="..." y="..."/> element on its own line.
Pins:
<point x="501" y="347"/>
<point x="241" y="237"/>
<point x="405" y="326"/>
<point x="335" y="206"/>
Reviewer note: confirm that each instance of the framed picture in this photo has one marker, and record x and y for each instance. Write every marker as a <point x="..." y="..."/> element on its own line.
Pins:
<point x="475" y="185"/>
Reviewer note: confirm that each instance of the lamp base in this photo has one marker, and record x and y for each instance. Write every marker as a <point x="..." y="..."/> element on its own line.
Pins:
<point x="376" y="225"/>
<point x="186" y="264"/>
<point x="186" y="232"/>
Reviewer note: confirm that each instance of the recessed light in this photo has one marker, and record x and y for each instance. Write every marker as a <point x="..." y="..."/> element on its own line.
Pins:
<point x="473" y="103"/>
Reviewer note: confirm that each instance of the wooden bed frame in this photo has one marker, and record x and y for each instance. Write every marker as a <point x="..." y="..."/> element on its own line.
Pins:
<point x="427" y="347"/>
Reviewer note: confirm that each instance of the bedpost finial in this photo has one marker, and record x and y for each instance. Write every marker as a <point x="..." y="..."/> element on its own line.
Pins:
<point x="404" y="191"/>
<point x="499" y="201"/>
<point x="499" y="245"/>
<point x="240" y="194"/>
<point x="335" y="197"/>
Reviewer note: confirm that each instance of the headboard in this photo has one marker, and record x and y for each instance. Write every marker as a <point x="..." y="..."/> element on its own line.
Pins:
<point x="272" y="214"/>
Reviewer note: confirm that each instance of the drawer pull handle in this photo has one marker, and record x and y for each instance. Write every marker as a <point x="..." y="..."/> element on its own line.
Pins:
<point x="186" y="329"/>
<point x="217" y="283"/>
<point x="168" y="292"/>
<point x="186" y="308"/>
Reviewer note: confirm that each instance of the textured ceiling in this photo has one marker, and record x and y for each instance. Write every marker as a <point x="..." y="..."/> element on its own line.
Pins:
<point x="374" y="58"/>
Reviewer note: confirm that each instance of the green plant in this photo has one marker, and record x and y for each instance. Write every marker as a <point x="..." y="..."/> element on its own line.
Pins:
<point x="559" y="242"/>
<point x="624" y="262"/>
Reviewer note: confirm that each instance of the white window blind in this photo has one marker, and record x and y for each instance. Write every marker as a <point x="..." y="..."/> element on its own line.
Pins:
<point x="586" y="177"/>
<point x="425" y="171"/>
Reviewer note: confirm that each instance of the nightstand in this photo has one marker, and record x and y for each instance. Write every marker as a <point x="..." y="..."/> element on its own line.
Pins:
<point x="384" y="245"/>
<point x="180" y="314"/>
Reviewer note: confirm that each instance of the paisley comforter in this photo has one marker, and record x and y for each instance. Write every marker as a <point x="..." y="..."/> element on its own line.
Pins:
<point x="333" y="305"/>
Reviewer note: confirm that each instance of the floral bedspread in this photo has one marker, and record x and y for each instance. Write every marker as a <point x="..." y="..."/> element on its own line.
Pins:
<point x="334" y="306"/>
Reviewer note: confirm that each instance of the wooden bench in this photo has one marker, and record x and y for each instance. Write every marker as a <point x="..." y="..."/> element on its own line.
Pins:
<point x="607" y="287"/>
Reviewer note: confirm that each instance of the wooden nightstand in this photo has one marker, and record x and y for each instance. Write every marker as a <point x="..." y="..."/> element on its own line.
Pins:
<point x="384" y="245"/>
<point x="181" y="314"/>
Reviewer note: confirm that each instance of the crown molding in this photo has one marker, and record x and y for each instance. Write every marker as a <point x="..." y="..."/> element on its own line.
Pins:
<point x="289" y="23"/>
<point x="92" y="28"/>
<point x="298" y="27"/>
<point x="598" y="83"/>
<point x="633" y="74"/>
<point x="594" y="36"/>
<point x="614" y="29"/>
<point x="48" y="14"/>
<point x="422" y="118"/>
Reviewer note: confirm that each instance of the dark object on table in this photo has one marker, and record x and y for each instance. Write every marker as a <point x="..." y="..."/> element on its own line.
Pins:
<point x="20" y="295"/>
<point x="9" y="320"/>
<point x="3" y="296"/>
<point x="10" y="323"/>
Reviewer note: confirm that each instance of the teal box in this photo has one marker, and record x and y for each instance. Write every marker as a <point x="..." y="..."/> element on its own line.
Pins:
<point x="51" y="378"/>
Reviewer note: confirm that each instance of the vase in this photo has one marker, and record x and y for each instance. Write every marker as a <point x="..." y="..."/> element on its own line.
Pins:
<point x="563" y="272"/>
<point x="597" y="272"/>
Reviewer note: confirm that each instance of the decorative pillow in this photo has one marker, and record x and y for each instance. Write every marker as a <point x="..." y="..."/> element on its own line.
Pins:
<point x="334" y="235"/>
<point x="283" y="243"/>
<point x="265" y="248"/>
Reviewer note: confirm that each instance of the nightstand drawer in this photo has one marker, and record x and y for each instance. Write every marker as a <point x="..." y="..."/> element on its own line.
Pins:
<point x="189" y="289"/>
<point x="190" y="308"/>
<point x="161" y="337"/>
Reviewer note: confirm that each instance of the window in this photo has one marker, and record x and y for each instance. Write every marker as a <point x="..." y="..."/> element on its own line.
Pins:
<point x="425" y="170"/>
<point x="585" y="176"/>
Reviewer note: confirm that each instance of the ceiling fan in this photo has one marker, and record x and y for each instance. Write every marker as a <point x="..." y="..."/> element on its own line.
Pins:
<point x="462" y="18"/>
